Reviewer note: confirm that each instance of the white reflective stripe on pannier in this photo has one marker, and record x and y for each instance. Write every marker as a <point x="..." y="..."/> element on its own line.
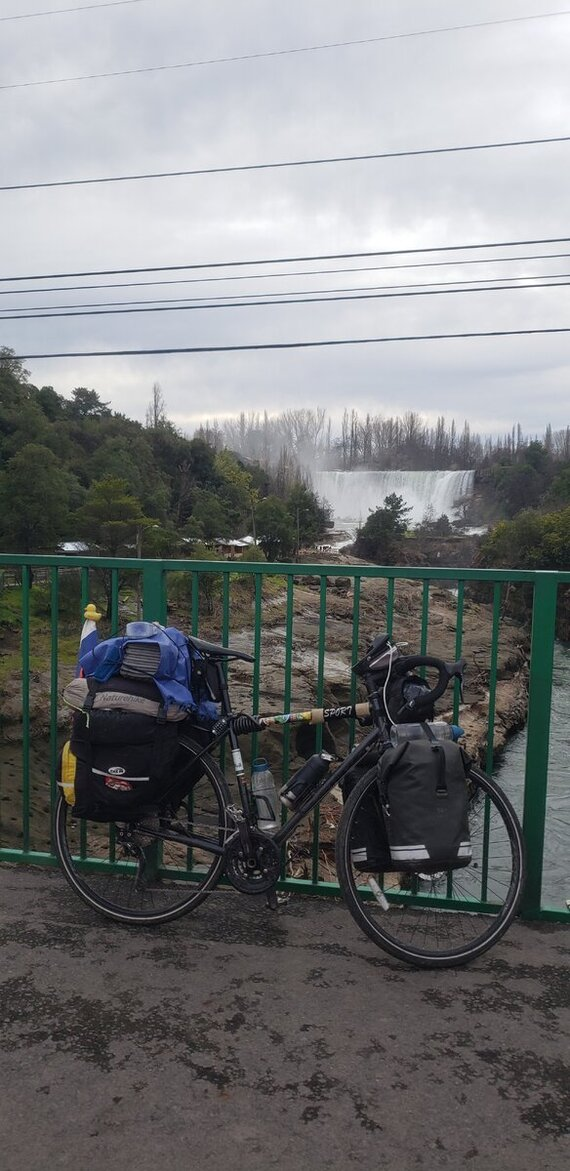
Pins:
<point x="104" y="772"/>
<point x="408" y="853"/>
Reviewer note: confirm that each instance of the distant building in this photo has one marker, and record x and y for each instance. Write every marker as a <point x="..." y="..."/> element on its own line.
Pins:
<point x="233" y="547"/>
<point x="73" y="547"/>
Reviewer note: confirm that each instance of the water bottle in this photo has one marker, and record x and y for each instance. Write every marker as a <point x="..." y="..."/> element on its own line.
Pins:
<point x="440" y="729"/>
<point x="265" y="796"/>
<point x="305" y="779"/>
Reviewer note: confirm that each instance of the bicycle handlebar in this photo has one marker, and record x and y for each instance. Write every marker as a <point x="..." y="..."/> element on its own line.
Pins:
<point x="245" y="723"/>
<point x="446" y="672"/>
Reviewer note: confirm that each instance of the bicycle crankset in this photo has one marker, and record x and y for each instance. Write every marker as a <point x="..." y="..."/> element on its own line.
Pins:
<point x="257" y="873"/>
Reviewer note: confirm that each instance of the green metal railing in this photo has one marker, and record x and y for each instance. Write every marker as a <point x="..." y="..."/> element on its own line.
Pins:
<point x="250" y="604"/>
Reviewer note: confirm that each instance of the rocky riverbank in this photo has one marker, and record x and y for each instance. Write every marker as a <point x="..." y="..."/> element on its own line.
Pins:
<point x="512" y="673"/>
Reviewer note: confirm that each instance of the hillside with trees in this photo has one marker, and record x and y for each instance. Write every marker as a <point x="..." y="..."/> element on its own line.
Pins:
<point x="71" y="469"/>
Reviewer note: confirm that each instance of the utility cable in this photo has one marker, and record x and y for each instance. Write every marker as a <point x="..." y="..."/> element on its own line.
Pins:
<point x="263" y="276"/>
<point x="309" y="294"/>
<point x="243" y="167"/>
<point x="50" y="276"/>
<point x="351" y="341"/>
<point x="78" y="8"/>
<point x="303" y="300"/>
<point x="278" y="52"/>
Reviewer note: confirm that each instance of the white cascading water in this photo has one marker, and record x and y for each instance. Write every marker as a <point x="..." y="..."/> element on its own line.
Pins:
<point x="353" y="495"/>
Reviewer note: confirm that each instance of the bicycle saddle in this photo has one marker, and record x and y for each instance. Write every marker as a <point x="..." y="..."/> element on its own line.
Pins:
<point x="213" y="650"/>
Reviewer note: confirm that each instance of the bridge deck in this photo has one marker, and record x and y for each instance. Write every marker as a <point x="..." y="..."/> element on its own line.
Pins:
<point x="239" y="1037"/>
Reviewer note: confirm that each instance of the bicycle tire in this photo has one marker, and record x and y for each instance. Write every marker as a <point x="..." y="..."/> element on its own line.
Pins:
<point x="162" y="879"/>
<point x="440" y="910"/>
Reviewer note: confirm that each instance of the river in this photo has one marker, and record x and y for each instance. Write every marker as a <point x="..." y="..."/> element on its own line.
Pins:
<point x="510" y="774"/>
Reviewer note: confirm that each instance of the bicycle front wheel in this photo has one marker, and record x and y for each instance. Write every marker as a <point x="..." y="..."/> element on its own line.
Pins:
<point x="144" y="872"/>
<point x="444" y="919"/>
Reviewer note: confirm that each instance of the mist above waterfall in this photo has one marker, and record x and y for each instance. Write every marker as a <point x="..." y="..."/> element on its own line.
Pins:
<point x="352" y="495"/>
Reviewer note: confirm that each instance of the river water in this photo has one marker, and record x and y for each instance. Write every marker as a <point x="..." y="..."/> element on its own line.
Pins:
<point x="510" y="774"/>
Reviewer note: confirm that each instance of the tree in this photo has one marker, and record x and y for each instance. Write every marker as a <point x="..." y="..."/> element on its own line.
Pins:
<point x="432" y="526"/>
<point x="275" y="529"/>
<point x="559" y="491"/>
<point x="86" y="404"/>
<point x="519" y="486"/>
<point x="156" y="410"/>
<point x="21" y="419"/>
<point x="310" y="517"/>
<point x="533" y="540"/>
<point x="379" y="538"/>
<point x="236" y="490"/>
<point x="211" y="514"/>
<point x="112" y="520"/>
<point x="34" y="500"/>
<point x="52" y="404"/>
<point x="130" y="459"/>
<point x="11" y="366"/>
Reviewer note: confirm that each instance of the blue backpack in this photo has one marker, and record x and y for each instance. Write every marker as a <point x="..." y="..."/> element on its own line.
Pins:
<point x="151" y="651"/>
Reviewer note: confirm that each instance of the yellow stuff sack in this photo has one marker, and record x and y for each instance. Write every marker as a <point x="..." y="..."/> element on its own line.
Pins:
<point x="68" y="773"/>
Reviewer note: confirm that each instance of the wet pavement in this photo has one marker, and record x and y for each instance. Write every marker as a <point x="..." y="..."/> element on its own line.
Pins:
<point x="239" y="1037"/>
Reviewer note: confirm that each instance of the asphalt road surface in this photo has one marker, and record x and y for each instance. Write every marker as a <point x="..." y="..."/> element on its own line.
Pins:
<point x="238" y="1037"/>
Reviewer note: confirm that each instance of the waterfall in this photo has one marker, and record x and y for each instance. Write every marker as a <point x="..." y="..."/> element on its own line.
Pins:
<point x="352" y="495"/>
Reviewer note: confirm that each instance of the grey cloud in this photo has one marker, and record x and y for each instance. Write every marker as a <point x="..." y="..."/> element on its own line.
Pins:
<point x="487" y="84"/>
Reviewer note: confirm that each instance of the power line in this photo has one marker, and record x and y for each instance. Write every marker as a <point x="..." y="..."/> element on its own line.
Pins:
<point x="351" y="341"/>
<point x="79" y="8"/>
<point x="262" y="276"/>
<point x="50" y="276"/>
<point x="555" y="277"/>
<point x="300" y="300"/>
<point x="391" y="154"/>
<point x="276" y="52"/>
<point x="554" y="280"/>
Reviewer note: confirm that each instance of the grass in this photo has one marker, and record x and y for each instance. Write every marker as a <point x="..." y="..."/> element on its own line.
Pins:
<point x="40" y="638"/>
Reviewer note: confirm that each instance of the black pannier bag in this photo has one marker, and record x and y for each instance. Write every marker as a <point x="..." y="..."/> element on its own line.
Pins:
<point x="117" y="763"/>
<point x="369" y="846"/>
<point x="424" y="795"/>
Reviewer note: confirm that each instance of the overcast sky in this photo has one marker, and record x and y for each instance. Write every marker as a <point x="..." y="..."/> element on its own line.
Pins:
<point x="489" y="84"/>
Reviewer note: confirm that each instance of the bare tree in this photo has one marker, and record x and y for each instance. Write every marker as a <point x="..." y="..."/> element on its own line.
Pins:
<point x="156" y="410"/>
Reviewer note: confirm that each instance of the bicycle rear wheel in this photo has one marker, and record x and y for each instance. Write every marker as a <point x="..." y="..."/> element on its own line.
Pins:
<point x="445" y="919"/>
<point x="141" y="872"/>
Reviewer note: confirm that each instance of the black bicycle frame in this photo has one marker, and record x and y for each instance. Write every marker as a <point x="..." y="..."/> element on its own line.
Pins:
<point x="316" y="795"/>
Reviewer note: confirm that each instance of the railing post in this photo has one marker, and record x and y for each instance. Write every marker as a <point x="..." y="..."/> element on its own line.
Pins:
<point x="154" y="601"/>
<point x="538" y="734"/>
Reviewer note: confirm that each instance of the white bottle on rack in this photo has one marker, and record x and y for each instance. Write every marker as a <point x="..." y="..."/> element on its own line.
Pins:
<point x="440" y="729"/>
<point x="265" y="796"/>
